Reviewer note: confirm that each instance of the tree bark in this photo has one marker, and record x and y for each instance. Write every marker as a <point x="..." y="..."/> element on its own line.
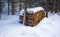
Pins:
<point x="20" y="1"/>
<point x="24" y="19"/>
<point x="0" y="8"/>
<point x="30" y="3"/>
<point x="47" y="8"/>
<point x="55" y="6"/>
<point x="8" y="7"/>
<point x="13" y="7"/>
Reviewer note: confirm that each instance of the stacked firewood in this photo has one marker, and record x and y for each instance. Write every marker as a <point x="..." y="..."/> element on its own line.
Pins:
<point x="38" y="16"/>
<point x="29" y="19"/>
<point x="34" y="18"/>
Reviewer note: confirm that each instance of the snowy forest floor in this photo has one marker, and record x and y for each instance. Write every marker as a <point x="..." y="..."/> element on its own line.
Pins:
<point x="48" y="27"/>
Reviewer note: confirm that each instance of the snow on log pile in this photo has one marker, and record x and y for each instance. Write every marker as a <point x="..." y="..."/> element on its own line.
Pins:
<point x="30" y="10"/>
<point x="33" y="16"/>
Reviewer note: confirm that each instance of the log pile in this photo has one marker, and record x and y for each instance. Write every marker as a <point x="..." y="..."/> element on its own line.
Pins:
<point x="33" y="19"/>
<point x="38" y="16"/>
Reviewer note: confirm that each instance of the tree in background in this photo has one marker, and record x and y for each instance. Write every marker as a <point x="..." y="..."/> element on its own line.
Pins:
<point x="47" y="7"/>
<point x="55" y="6"/>
<point x="24" y="19"/>
<point x="30" y="3"/>
<point x="8" y="7"/>
<point x="0" y="8"/>
<point x="20" y="1"/>
<point x="58" y="3"/>
<point x="13" y="7"/>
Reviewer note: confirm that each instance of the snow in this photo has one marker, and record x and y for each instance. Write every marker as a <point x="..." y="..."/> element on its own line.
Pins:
<point x="31" y="10"/>
<point x="48" y="27"/>
<point x="5" y="9"/>
<point x="35" y="9"/>
<point x="10" y="26"/>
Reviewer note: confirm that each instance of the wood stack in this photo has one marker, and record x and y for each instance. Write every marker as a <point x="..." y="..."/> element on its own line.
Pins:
<point x="34" y="18"/>
<point x="29" y="19"/>
<point x="38" y="16"/>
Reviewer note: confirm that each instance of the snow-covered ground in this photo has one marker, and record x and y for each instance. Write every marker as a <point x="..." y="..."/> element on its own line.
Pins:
<point x="48" y="27"/>
<point x="10" y="26"/>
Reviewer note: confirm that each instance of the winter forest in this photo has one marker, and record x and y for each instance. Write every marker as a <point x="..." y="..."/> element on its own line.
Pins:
<point x="29" y="18"/>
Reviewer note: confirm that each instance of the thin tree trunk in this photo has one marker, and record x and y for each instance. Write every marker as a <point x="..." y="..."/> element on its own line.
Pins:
<point x="8" y="7"/>
<point x="13" y="7"/>
<point x="56" y="6"/>
<point x="47" y="8"/>
<point x="0" y="8"/>
<point x="24" y="19"/>
<point x="58" y="3"/>
<point x="30" y="3"/>
<point x="20" y="1"/>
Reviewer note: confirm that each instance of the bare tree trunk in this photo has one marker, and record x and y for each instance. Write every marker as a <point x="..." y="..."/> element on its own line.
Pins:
<point x="13" y="7"/>
<point x="8" y="7"/>
<point x="47" y="8"/>
<point x="58" y="3"/>
<point x="20" y="1"/>
<point x="24" y="19"/>
<point x="55" y="5"/>
<point x="30" y="3"/>
<point x="0" y="8"/>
